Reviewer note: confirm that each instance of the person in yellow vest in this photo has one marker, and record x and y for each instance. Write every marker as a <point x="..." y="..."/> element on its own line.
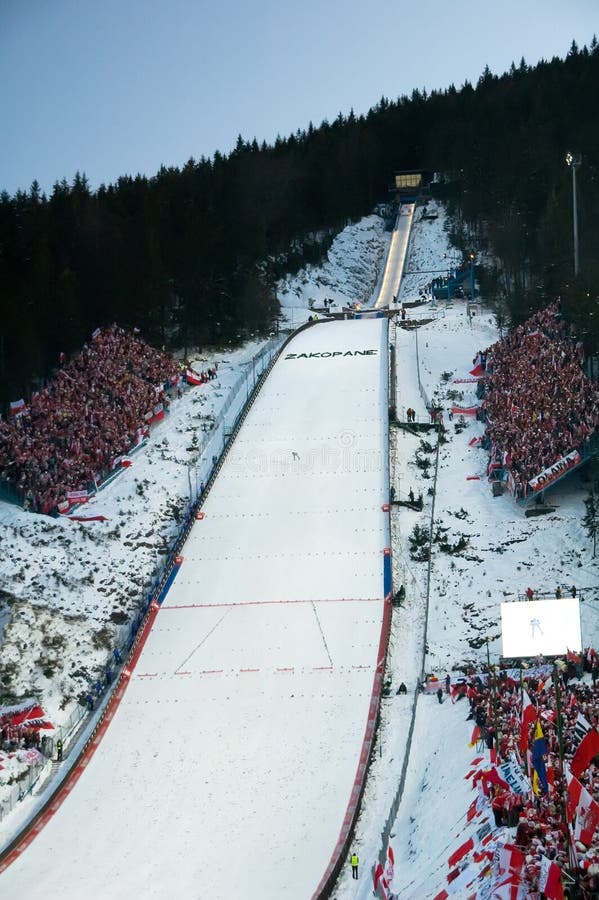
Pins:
<point x="354" y="865"/>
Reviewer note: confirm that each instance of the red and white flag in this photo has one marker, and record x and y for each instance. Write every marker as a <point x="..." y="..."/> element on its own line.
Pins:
<point x="380" y="882"/>
<point x="587" y="820"/>
<point x="390" y="867"/>
<point x="529" y="714"/>
<point x="17" y="407"/>
<point x="508" y="860"/>
<point x="509" y="888"/>
<point x="587" y="749"/>
<point x="550" y="879"/>
<point x="192" y="377"/>
<point x="77" y="496"/>
<point x="460" y="853"/>
<point x="582" y="805"/>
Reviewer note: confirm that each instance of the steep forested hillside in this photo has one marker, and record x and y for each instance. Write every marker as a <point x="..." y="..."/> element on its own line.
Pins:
<point x="192" y="255"/>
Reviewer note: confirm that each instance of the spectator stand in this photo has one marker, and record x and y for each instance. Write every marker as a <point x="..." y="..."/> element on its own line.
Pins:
<point x="540" y="409"/>
<point x="79" y="427"/>
<point x="535" y="782"/>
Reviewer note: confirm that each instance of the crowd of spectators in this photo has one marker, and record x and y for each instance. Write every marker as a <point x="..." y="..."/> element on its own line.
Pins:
<point x="97" y="408"/>
<point x="543" y="822"/>
<point x="538" y="403"/>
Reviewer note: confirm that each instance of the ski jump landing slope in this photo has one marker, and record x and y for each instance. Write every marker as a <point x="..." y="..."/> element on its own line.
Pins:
<point x="227" y="769"/>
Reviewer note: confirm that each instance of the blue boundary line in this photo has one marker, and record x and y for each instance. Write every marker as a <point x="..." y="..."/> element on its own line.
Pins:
<point x="167" y="584"/>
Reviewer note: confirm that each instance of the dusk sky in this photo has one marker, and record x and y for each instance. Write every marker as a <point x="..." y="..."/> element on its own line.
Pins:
<point x="122" y="86"/>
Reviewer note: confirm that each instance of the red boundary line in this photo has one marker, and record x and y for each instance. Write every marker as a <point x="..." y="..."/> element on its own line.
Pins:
<point x="360" y="779"/>
<point x="41" y="819"/>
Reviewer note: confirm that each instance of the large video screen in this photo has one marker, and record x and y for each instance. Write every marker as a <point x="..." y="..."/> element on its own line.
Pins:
<point x="549" y="627"/>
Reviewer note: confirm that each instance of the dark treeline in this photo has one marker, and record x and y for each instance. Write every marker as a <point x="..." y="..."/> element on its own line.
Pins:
<point x="191" y="255"/>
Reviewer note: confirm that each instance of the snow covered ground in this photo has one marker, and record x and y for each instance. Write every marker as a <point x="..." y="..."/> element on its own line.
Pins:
<point x="505" y="553"/>
<point x="349" y="275"/>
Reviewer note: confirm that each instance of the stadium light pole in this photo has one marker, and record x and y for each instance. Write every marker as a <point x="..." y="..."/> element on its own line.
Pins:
<point x="573" y="160"/>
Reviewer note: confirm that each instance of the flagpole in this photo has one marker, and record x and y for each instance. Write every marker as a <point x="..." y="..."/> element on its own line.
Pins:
<point x="572" y="856"/>
<point x="493" y="702"/>
<point x="560" y="722"/>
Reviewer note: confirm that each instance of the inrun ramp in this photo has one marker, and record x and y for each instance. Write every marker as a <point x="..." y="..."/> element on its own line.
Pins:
<point x="396" y="258"/>
<point x="230" y="761"/>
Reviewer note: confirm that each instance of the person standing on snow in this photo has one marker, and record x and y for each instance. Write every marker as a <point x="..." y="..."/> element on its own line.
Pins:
<point x="354" y="865"/>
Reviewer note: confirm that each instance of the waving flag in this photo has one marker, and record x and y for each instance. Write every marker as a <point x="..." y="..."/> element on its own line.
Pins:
<point x="17" y="407"/>
<point x="192" y="377"/>
<point x="380" y="882"/>
<point x="587" y="749"/>
<point x="390" y="867"/>
<point x="529" y="714"/>
<point x="582" y="805"/>
<point x="550" y="880"/>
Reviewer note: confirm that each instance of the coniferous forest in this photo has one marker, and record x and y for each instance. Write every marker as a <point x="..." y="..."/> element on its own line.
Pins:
<point x="191" y="256"/>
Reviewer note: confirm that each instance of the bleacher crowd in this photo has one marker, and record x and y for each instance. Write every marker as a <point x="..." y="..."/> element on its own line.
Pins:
<point x="538" y="403"/>
<point x="97" y="409"/>
<point x="552" y="821"/>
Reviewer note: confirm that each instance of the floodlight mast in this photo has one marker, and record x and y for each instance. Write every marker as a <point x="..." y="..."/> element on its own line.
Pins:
<point x="573" y="160"/>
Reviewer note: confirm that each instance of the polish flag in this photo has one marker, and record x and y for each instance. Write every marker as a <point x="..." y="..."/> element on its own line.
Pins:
<point x="550" y="882"/>
<point x="192" y="377"/>
<point x="529" y="714"/>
